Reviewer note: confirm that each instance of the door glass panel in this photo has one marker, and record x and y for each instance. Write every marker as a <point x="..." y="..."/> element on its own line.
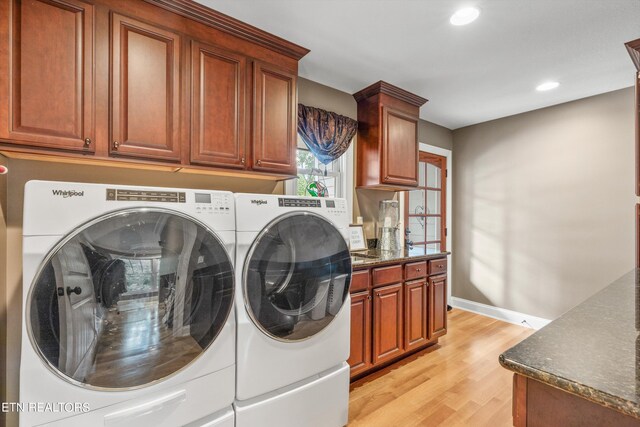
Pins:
<point x="416" y="202"/>
<point x="297" y="277"/>
<point x="130" y="298"/>
<point x="433" y="176"/>
<point x="416" y="229"/>
<point x="433" y="202"/>
<point x="421" y="174"/>
<point x="416" y="250"/>
<point x="433" y="248"/>
<point x="433" y="228"/>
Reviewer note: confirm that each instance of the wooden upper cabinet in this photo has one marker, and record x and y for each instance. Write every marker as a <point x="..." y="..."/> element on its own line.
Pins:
<point x="387" y="137"/>
<point x="275" y="119"/>
<point x="437" y="306"/>
<point x="50" y="99"/>
<point x="218" y="110"/>
<point x="399" y="148"/>
<point x="145" y="98"/>
<point x="388" y="323"/>
<point x="416" y="310"/>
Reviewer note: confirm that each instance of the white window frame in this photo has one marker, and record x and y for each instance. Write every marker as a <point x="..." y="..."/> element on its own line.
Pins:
<point x="345" y="177"/>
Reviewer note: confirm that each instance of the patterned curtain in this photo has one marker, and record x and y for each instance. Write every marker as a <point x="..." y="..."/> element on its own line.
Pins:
<point x="328" y="135"/>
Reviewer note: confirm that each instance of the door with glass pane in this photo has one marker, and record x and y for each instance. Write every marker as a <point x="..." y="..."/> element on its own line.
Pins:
<point x="130" y="298"/>
<point x="296" y="277"/>
<point x="425" y="207"/>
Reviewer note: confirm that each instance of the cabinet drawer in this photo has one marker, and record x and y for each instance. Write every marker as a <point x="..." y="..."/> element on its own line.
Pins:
<point x="387" y="275"/>
<point x="437" y="266"/>
<point x="415" y="270"/>
<point x="359" y="281"/>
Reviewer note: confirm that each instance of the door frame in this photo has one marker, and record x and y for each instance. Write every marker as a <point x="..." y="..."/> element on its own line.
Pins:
<point x="449" y="206"/>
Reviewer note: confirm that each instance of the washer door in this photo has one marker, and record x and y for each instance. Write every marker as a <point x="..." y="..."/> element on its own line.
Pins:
<point x="130" y="298"/>
<point x="297" y="276"/>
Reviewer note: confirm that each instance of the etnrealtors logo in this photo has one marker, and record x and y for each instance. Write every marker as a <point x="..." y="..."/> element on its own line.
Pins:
<point x="68" y="193"/>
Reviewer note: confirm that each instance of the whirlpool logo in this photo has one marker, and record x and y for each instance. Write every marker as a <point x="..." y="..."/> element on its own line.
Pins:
<point x="68" y="193"/>
<point x="258" y="202"/>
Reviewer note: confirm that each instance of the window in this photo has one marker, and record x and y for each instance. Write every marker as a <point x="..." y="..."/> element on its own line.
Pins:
<point x="310" y="170"/>
<point x="425" y="214"/>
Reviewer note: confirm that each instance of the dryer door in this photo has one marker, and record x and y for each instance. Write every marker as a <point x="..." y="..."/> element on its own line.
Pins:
<point x="130" y="298"/>
<point x="296" y="276"/>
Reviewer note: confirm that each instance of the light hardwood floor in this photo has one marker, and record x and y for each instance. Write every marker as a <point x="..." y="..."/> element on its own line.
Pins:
<point x="457" y="382"/>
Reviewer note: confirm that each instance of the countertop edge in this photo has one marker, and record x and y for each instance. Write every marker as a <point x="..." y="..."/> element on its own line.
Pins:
<point x="585" y="392"/>
<point x="417" y="258"/>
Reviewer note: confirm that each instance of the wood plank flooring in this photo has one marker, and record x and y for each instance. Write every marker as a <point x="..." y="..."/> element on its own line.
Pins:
<point x="457" y="382"/>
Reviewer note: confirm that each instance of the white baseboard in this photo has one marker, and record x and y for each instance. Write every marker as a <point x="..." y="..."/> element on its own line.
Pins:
<point x="499" y="313"/>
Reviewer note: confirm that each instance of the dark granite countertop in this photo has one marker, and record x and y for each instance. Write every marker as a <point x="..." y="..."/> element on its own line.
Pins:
<point x="374" y="258"/>
<point x="592" y="351"/>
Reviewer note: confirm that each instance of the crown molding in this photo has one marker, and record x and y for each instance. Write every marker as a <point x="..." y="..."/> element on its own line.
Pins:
<point x="633" y="47"/>
<point x="212" y="18"/>
<point x="391" y="90"/>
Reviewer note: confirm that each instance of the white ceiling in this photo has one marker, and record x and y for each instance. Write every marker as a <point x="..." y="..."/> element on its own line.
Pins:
<point x="483" y="71"/>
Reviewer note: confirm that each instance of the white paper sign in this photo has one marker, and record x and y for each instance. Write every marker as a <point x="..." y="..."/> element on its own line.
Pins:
<point x="356" y="238"/>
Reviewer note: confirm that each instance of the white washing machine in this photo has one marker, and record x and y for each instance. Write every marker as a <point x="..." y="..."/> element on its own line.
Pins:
<point x="293" y="273"/>
<point x="128" y="295"/>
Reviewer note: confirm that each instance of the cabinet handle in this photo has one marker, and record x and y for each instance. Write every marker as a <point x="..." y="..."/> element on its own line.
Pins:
<point x="242" y="160"/>
<point x="378" y="294"/>
<point x="259" y="162"/>
<point x="418" y="270"/>
<point x="369" y="297"/>
<point x="440" y="265"/>
<point x="116" y="144"/>
<point x="87" y="142"/>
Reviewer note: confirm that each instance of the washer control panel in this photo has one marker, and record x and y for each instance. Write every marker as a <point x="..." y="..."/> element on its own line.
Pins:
<point x="298" y="203"/>
<point x="126" y="195"/>
<point x="212" y="203"/>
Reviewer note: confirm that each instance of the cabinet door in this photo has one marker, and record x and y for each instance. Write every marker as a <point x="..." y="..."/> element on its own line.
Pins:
<point x="387" y="323"/>
<point x="438" y="306"/>
<point x="218" y="111"/>
<point x="399" y="148"/>
<point x="275" y="120"/>
<point x="416" y="321"/>
<point x="50" y="101"/>
<point x="360" y="356"/>
<point x="145" y="116"/>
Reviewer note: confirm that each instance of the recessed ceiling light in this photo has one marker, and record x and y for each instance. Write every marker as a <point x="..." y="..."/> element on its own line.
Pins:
<point x="547" y="86"/>
<point x="464" y="16"/>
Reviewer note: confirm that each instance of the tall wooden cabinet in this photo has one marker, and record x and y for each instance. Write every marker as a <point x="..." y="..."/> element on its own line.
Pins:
<point x="387" y="137"/>
<point x="48" y="52"/>
<point x="158" y="82"/>
<point x="396" y="308"/>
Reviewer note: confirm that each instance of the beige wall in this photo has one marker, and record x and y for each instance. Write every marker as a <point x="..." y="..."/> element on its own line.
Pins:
<point x="22" y="171"/>
<point x="544" y="205"/>
<point x="365" y="202"/>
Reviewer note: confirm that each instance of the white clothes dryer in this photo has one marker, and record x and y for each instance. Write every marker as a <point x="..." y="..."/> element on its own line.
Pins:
<point x="293" y="273"/>
<point x="128" y="295"/>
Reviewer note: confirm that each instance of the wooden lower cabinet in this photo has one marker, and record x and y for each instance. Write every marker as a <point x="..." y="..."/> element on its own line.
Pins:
<point x="416" y="319"/>
<point x="438" y="306"/>
<point x="360" y="357"/>
<point x="388" y="323"/>
<point x="391" y="316"/>
<point x="536" y="404"/>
